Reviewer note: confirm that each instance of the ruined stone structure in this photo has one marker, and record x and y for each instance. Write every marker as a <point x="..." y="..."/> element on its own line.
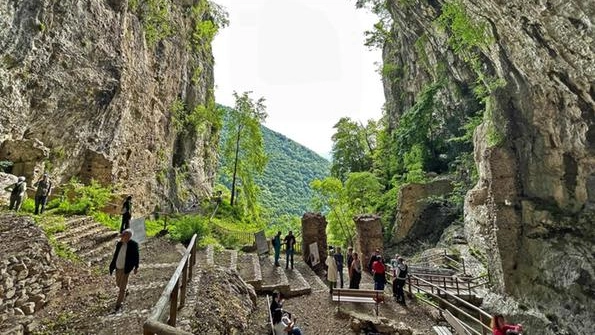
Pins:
<point x="368" y="236"/>
<point x="314" y="230"/>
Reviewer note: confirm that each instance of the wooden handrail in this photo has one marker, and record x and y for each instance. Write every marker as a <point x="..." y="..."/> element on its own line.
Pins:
<point x="170" y="296"/>
<point x="481" y="312"/>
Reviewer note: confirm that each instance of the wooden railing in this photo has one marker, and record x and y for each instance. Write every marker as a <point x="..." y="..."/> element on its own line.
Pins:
<point x="452" y="284"/>
<point x="442" y="257"/>
<point x="173" y="296"/>
<point x="435" y="293"/>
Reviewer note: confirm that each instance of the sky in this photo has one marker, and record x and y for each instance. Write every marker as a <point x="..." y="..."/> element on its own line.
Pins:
<point x="306" y="58"/>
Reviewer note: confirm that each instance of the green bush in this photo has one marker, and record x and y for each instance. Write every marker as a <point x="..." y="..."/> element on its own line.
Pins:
<point x="110" y="221"/>
<point x="83" y="199"/>
<point x="28" y="205"/>
<point x="184" y="227"/>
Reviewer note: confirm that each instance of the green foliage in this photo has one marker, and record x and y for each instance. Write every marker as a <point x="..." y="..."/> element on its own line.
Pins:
<point x="182" y="228"/>
<point x="363" y="191"/>
<point x="156" y="20"/>
<point x="287" y="176"/>
<point x="110" y="221"/>
<point x="465" y="33"/>
<point x="331" y="199"/>
<point x="353" y="147"/>
<point x="83" y="199"/>
<point x="208" y="18"/>
<point x="380" y="33"/>
<point x="243" y="157"/>
<point x="62" y="250"/>
<point x="152" y="227"/>
<point x="133" y="5"/>
<point x="28" y="205"/>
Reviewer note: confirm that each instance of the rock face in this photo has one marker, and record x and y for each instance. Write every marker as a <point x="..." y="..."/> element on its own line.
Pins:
<point x="531" y="212"/>
<point x="28" y="275"/>
<point x="314" y="231"/>
<point x="103" y="89"/>
<point x="418" y="217"/>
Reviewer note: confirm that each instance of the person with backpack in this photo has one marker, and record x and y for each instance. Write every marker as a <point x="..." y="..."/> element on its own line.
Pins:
<point x="44" y="187"/>
<point x="400" y="275"/>
<point x="17" y="193"/>
<point x="126" y="213"/>
<point x="277" y="247"/>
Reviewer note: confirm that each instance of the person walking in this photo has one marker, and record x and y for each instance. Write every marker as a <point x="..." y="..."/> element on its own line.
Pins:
<point x="331" y="273"/>
<point x="44" y="187"/>
<point x="126" y="213"/>
<point x="356" y="272"/>
<point x="339" y="260"/>
<point x="125" y="260"/>
<point x="277" y="247"/>
<point x="17" y="193"/>
<point x="400" y="275"/>
<point x="289" y="245"/>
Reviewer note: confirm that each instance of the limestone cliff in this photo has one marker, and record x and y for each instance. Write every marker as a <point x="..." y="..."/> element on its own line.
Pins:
<point x="113" y="90"/>
<point x="529" y="65"/>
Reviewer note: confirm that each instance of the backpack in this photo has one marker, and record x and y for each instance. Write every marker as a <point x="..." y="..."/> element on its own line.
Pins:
<point x="17" y="189"/>
<point x="403" y="272"/>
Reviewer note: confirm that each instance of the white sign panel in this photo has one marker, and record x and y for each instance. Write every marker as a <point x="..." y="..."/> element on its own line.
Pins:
<point x="314" y="255"/>
<point x="139" y="233"/>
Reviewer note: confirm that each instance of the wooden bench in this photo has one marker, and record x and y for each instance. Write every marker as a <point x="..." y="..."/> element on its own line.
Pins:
<point x="352" y="295"/>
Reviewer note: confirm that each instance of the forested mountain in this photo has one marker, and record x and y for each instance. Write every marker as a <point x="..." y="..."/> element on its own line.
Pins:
<point x="285" y="184"/>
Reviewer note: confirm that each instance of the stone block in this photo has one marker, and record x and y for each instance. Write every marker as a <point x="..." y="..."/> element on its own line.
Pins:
<point x="28" y="308"/>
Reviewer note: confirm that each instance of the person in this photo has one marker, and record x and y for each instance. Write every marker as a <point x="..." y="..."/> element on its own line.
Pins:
<point x="277" y="247"/>
<point x="372" y="259"/>
<point x="400" y="275"/>
<point x="394" y="261"/>
<point x="44" y="187"/>
<point x="339" y="260"/>
<point x="500" y="327"/>
<point x="349" y="261"/>
<point x="17" y="193"/>
<point x="283" y="324"/>
<point x="126" y="213"/>
<point x="289" y="245"/>
<point x="124" y="261"/>
<point x="378" y="270"/>
<point x="356" y="272"/>
<point x="331" y="273"/>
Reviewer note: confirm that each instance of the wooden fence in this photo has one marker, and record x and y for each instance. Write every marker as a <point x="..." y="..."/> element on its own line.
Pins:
<point x="439" y="294"/>
<point x="173" y="297"/>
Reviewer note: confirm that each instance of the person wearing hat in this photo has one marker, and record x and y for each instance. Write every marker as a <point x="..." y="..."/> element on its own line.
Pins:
<point x="44" y="187"/>
<point x="17" y="193"/>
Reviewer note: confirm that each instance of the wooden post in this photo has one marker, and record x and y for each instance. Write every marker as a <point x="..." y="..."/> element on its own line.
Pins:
<point x="483" y="331"/>
<point x="463" y="263"/>
<point x="444" y="280"/>
<point x="409" y="281"/>
<point x="457" y="284"/>
<point x="173" y="306"/>
<point x="184" y="284"/>
<point x="192" y="260"/>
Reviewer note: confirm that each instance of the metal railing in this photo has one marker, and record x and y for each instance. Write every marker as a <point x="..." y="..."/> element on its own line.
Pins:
<point x="173" y="296"/>
<point x="435" y="292"/>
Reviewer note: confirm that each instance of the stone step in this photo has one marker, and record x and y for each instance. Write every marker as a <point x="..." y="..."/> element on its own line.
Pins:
<point x="315" y="282"/>
<point x="273" y="277"/>
<point x="74" y="238"/>
<point x="297" y="284"/>
<point x="249" y="269"/>
<point x="74" y="229"/>
<point x="90" y="241"/>
<point x="97" y="252"/>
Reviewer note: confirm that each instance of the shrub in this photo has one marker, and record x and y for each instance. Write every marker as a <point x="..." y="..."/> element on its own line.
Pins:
<point x="184" y="227"/>
<point x="83" y="199"/>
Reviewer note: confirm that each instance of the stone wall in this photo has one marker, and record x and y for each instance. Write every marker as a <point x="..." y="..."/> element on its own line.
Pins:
<point x="28" y="277"/>
<point x="368" y="236"/>
<point x="314" y="230"/>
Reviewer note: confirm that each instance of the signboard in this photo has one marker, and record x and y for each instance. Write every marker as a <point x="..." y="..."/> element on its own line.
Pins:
<point x="139" y="233"/>
<point x="262" y="246"/>
<point x="314" y="255"/>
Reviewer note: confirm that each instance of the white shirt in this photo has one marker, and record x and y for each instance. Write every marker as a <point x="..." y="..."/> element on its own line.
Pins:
<point x="121" y="259"/>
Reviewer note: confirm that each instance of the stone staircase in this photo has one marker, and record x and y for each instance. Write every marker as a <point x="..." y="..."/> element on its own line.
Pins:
<point x="91" y="241"/>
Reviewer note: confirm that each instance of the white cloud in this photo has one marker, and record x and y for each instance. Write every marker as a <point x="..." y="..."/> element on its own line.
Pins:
<point x="306" y="57"/>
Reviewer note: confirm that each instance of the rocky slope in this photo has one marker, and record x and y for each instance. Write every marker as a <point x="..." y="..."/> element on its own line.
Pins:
<point x="113" y="90"/>
<point x="529" y="68"/>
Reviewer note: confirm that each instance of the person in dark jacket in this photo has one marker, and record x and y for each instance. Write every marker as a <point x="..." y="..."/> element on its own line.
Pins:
<point x="44" y="188"/>
<point x="17" y="193"/>
<point x="339" y="260"/>
<point x="400" y="275"/>
<point x="126" y="213"/>
<point x="125" y="260"/>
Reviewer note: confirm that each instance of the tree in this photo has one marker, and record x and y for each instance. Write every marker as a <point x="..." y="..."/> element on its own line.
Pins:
<point x="363" y="191"/>
<point x="330" y="199"/>
<point x="243" y="149"/>
<point x="353" y="146"/>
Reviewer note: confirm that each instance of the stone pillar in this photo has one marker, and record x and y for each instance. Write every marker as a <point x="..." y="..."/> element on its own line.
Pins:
<point x="314" y="230"/>
<point x="368" y="236"/>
